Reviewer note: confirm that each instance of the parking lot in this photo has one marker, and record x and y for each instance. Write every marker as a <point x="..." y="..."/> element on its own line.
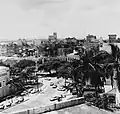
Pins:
<point x="53" y="92"/>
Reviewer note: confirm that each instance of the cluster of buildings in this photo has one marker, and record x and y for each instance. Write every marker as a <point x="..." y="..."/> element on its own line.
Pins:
<point x="38" y="47"/>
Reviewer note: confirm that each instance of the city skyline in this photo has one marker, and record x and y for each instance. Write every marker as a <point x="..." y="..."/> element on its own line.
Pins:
<point x="74" y="18"/>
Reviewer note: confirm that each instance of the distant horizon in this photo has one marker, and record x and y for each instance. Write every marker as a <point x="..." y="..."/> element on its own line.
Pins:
<point x="43" y="37"/>
<point x="32" y="38"/>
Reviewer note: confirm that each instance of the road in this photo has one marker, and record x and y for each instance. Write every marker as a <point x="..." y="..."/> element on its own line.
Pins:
<point x="37" y="100"/>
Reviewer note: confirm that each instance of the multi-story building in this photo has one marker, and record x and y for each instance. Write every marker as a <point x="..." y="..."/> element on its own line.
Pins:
<point x="52" y="38"/>
<point x="72" y="41"/>
<point x="37" y="42"/>
<point x="4" y="79"/>
<point x="90" y="38"/>
<point x="112" y="38"/>
<point x="12" y="48"/>
<point x="118" y="40"/>
<point x="3" y="49"/>
<point x="8" y="49"/>
<point x="19" y="42"/>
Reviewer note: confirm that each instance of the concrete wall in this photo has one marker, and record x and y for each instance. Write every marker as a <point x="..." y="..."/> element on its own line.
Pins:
<point x="53" y="107"/>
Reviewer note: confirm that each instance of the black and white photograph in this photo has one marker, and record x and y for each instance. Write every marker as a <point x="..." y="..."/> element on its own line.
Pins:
<point x="59" y="56"/>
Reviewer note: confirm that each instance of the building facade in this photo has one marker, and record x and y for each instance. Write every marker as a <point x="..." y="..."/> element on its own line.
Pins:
<point x="4" y="78"/>
<point x="90" y="38"/>
<point x="61" y="52"/>
<point x="3" y="49"/>
<point x="52" y="38"/>
<point x="37" y="42"/>
<point x="112" y="38"/>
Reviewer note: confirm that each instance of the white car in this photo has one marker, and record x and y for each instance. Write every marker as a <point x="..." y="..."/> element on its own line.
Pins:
<point x="34" y="91"/>
<point x="24" y="93"/>
<point x="2" y="106"/>
<point x="29" y="90"/>
<point x="8" y="104"/>
<point x="20" y="99"/>
<point x="61" y="89"/>
<point x="51" y="83"/>
<point x="54" y="98"/>
<point x="15" y="101"/>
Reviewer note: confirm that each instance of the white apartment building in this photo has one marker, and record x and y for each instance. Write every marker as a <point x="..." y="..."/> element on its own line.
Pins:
<point x="4" y="78"/>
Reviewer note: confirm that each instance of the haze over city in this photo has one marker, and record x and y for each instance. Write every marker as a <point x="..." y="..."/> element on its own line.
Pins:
<point x="30" y="18"/>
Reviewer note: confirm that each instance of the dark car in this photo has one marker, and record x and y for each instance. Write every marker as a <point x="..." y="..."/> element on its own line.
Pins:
<point x="2" y="106"/>
<point x="51" y="83"/>
<point x="74" y="92"/>
<point x="54" y="86"/>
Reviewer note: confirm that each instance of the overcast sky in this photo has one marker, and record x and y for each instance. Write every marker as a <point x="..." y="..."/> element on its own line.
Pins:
<point x="29" y="18"/>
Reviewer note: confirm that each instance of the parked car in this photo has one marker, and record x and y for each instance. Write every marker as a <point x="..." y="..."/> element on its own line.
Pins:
<point x="8" y="103"/>
<point x="2" y="106"/>
<point x="54" y="86"/>
<point x="24" y="93"/>
<point x="15" y="101"/>
<point x="34" y="91"/>
<point x="20" y="99"/>
<point x="29" y="90"/>
<point x="74" y="92"/>
<point x="51" y="83"/>
<point x="61" y="89"/>
<point x="48" y="79"/>
<point x="59" y="98"/>
<point x="54" y="98"/>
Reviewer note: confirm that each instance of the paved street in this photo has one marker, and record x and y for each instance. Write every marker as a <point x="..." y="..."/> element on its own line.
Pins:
<point x="36" y="100"/>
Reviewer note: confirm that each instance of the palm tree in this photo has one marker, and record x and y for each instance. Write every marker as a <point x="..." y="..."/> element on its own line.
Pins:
<point x="111" y="65"/>
<point x="64" y="71"/>
<point x="91" y="70"/>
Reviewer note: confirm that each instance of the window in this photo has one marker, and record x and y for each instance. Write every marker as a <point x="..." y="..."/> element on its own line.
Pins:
<point x="4" y="83"/>
<point x="0" y="84"/>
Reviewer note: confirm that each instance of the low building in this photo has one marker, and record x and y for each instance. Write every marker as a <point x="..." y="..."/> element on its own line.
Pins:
<point x="4" y="78"/>
<point x="106" y="47"/>
<point x="73" y="55"/>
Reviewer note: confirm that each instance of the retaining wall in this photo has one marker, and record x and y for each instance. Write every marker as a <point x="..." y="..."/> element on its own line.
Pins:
<point x="52" y="107"/>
